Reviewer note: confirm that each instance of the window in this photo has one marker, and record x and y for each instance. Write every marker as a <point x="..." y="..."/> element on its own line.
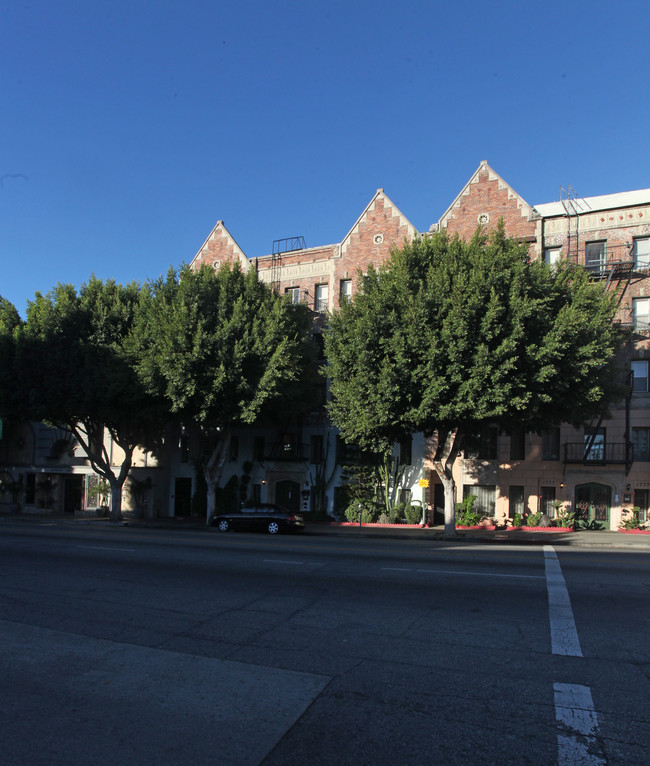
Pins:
<point x="642" y="253"/>
<point x="518" y="444"/>
<point x="552" y="256"/>
<point x="641" y="501"/>
<point x="595" y="444"/>
<point x="551" y="444"/>
<point x="185" y="448"/>
<point x="546" y="500"/>
<point x="293" y="293"/>
<point x="258" y="448"/>
<point x="233" y="452"/>
<point x="486" y="497"/>
<point x="346" y="290"/>
<point x="321" y="299"/>
<point x="595" y="256"/>
<point x="405" y="450"/>
<point x="640" y="375"/>
<point x="316" y="451"/>
<point x="516" y="501"/>
<point x="484" y="445"/>
<point x="641" y="308"/>
<point x="641" y="444"/>
<point x="288" y="445"/>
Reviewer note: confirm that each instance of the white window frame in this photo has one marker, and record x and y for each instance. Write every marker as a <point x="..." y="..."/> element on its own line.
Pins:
<point x="640" y="376"/>
<point x="321" y="297"/>
<point x="642" y="252"/>
<point x="345" y="293"/>
<point x="641" y="311"/>
<point x="293" y="293"/>
<point x="552" y="256"/>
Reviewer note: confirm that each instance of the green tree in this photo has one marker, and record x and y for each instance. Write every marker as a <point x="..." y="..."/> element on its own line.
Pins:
<point x="223" y="350"/>
<point x="450" y="335"/>
<point x="10" y="324"/>
<point x="73" y="368"/>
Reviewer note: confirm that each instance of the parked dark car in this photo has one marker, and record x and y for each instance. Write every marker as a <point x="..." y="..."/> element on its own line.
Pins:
<point x="260" y="517"/>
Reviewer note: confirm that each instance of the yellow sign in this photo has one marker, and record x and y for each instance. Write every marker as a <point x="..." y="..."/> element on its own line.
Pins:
<point x="424" y="482"/>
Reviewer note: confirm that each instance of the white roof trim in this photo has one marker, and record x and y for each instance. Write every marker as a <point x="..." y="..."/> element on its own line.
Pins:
<point x="593" y="204"/>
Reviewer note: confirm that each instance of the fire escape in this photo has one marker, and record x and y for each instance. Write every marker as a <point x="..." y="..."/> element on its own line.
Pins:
<point x="280" y="247"/>
<point x="607" y="263"/>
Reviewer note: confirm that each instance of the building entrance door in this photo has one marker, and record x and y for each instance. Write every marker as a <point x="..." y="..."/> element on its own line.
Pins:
<point x="287" y="493"/>
<point x="182" y="496"/>
<point x="73" y="487"/>
<point x="593" y="503"/>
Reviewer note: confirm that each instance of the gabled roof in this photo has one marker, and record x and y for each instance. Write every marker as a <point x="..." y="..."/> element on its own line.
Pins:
<point x="526" y="210"/>
<point x="221" y="232"/>
<point x="593" y="204"/>
<point x="412" y="231"/>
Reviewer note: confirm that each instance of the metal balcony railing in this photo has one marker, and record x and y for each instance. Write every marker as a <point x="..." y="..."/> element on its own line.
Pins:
<point x="618" y="453"/>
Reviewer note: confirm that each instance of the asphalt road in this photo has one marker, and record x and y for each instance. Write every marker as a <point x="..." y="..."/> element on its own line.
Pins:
<point x="152" y="646"/>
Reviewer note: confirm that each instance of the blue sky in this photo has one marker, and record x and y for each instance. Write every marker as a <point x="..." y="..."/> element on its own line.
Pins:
<point x="129" y="128"/>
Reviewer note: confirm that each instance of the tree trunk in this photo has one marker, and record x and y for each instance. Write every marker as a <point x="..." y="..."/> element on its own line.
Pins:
<point x="212" y="471"/>
<point x="447" y="450"/>
<point x="116" y="497"/>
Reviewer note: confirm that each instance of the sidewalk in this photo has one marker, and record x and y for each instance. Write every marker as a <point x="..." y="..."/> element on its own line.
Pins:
<point x="581" y="539"/>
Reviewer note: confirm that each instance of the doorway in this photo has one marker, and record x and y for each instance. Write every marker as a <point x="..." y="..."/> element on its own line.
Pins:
<point x="593" y="503"/>
<point x="182" y="496"/>
<point x="287" y="493"/>
<point x="73" y="492"/>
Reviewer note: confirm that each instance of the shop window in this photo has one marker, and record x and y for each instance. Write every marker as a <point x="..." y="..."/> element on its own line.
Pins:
<point x="486" y="497"/>
<point x="641" y="502"/>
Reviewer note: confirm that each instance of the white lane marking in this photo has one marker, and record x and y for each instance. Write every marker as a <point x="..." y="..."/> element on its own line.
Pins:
<point x="564" y="636"/>
<point x="106" y="548"/>
<point x="574" y="710"/>
<point x="396" y="569"/>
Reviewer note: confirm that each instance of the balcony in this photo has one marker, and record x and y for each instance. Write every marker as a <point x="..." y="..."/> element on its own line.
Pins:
<point x="611" y="453"/>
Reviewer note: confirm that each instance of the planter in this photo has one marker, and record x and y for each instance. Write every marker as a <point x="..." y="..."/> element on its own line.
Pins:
<point x="635" y="531"/>
<point x="487" y="527"/>
<point x="540" y="529"/>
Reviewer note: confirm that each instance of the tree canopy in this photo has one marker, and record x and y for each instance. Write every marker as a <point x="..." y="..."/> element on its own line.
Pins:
<point x="73" y="368"/>
<point x="451" y="335"/>
<point x="223" y="350"/>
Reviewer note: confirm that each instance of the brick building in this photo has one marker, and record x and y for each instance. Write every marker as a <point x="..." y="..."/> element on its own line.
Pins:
<point x="598" y="470"/>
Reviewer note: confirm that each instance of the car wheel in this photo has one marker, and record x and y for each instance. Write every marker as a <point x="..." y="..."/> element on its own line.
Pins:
<point x="223" y="525"/>
<point x="273" y="527"/>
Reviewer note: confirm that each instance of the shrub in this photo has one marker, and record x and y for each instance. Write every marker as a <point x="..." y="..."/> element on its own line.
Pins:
<point x="466" y="516"/>
<point x="632" y="521"/>
<point x="369" y="512"/>
<point x="533" y="519"/>
<point x="413" y="514"/>
<point x="517" y="520"/>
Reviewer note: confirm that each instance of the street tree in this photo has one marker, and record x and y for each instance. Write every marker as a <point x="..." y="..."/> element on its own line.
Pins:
<point x="74" y="370"/>
<point x="223" y="350"/>
<point x="449" y="336"/>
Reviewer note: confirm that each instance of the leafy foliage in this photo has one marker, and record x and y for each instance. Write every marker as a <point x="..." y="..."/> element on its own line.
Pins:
<point x="449" y="336"/>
